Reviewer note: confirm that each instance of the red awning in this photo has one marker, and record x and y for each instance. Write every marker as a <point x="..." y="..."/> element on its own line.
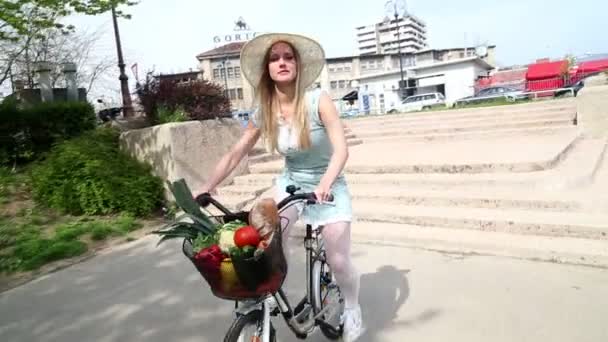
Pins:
<point x="593" y="66"/>
<point x="541" y="71"/>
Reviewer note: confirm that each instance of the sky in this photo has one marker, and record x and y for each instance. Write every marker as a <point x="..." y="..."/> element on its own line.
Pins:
<point x="167" y="35"/>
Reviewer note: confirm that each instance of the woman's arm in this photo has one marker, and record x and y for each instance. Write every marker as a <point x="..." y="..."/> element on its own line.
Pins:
<point x="231" y="159"/>
<point x="331" y="120"/>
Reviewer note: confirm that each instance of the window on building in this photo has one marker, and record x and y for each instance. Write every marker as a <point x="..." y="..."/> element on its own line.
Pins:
<point x="216" y="73"/>
<point x="237" y="72"/>
<point x="332" y="69"/>
<point x="239" y="92"/>
<point x="232" y="94"/>
<point x="342" y="84"/>
<point x="230" y="72"/>
<point x="333" y="84"/>
<point x="222" y="73"/>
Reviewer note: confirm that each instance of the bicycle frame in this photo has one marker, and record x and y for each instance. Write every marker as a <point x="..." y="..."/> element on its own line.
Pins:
<point x="296" y="318"/>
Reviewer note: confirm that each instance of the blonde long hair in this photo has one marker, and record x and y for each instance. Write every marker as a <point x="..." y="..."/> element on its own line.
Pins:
<point x="268" y="105"/>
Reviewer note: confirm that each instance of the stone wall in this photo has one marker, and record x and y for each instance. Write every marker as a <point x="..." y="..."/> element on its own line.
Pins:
<point x="188" y="150"/>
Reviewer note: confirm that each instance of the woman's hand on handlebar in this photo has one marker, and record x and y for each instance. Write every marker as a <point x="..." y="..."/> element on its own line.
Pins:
<point x="323" y="194"/>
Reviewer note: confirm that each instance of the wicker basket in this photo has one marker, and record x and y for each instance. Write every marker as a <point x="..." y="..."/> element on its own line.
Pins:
<point x="246" y="278"/>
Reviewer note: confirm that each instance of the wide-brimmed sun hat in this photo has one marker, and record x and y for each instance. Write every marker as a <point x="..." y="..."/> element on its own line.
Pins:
<point x="253" y="52"/>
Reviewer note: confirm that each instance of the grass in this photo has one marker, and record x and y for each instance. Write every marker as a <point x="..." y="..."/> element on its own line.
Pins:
<point x="32" y="236"/>
<point x="31" y="241"/>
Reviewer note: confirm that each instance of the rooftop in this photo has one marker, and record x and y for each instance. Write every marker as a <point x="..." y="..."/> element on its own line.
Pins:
<point x="228" y="49"/>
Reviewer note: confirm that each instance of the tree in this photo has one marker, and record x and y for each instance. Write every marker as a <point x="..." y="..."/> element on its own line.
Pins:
<point x="22" y="17"/>
<point x="18" y="59"/>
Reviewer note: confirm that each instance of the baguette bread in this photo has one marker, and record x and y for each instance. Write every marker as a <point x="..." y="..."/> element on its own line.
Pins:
<point x="264" y="216"/>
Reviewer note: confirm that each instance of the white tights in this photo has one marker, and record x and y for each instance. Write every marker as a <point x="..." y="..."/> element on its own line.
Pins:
<point x="337" y="247"/>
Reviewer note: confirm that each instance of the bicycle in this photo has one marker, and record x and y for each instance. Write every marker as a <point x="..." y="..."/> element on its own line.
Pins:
<point x="318" y="307"/>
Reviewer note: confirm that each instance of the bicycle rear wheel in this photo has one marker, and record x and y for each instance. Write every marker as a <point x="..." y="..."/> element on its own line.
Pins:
<point x="248" y="328"/>
<point x="325" y="292"/>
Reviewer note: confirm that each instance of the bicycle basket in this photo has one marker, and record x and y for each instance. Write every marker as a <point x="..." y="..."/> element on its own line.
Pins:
<point x="244" y="278"/>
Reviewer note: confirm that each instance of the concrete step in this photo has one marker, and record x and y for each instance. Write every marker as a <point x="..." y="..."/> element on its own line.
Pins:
<point x="243" y="190"/>
<point x="471" y="135"/>
<point x="472" y="197"/>
<point x="459" y="122"/>
<point x="258" y="153"/>
<point x="473" y="127"/>
<point x="573" y="172"/>
<point x="261" y="156"/>
<point x="254" y="179"/>
<point x="434" y="116"/>
<point x="565" y="105"/>
<point x="498" y="155"/>
<point x="564" y="250"/>
<point x="563" y="224"/>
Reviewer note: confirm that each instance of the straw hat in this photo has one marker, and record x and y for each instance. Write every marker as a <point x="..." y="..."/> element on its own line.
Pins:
<point x="311" y="54"/>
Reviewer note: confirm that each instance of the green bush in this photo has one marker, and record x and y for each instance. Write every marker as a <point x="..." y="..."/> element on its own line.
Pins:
<point x="90" y="175"/>
<point x="200" y="99"/>
<point x="165" y="115"/>
<point x="26" y="132"/>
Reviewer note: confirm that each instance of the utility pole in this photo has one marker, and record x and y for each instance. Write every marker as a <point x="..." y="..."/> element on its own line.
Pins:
<point x="224" y="64"/>
<point x="124" y="79"/>
<point x="396" y="7"/>
<point x="399" y="54"/>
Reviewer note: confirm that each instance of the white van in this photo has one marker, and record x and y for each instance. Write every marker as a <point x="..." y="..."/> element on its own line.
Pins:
<point x="420" y="102"/>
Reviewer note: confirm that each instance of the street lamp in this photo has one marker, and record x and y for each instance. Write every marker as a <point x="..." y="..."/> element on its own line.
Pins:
<point x="124" y="79"/>
<point x="394" y="8"/>
<point x="225" y="63"/>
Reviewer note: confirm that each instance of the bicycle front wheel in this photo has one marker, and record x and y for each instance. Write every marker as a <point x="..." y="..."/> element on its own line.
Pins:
<point x="248" y="328"/>
<point x="325" y="292"/>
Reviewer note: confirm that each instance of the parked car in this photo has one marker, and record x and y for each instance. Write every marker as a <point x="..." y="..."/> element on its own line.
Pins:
<point x="491" y="94"/>
<point x="419" y="102"/>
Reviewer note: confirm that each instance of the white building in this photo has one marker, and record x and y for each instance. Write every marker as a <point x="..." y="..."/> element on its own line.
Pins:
<point x="385" y="37"/>
<point x="454" y="79"/>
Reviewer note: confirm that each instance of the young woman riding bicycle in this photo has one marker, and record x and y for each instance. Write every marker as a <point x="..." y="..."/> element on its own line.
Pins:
<point x="305" y="128"/>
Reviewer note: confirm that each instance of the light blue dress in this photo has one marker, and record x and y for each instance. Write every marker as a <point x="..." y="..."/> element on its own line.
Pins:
<point x="305" y="168"/>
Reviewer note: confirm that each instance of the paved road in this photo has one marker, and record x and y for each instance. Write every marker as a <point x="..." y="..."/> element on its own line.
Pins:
<point x="142" y="293"/>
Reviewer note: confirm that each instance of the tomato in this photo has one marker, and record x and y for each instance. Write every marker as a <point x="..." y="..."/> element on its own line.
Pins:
<point x="246" y="236"/>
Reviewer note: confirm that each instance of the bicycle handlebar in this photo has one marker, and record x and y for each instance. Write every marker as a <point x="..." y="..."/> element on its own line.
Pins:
<point x="205" y="199"/>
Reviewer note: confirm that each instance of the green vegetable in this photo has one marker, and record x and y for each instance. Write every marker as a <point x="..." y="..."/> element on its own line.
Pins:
<point x="248" y="251"/>
<point x="203" y="241"/>
<point x="233" y="225"/>
<point x="236" y="253"/>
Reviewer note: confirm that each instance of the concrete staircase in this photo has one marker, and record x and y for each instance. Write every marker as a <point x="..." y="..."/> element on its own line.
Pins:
<point x="519" y="181"/>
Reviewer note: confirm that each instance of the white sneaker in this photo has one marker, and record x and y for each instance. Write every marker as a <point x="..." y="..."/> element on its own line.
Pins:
<point x="353" y="325"/>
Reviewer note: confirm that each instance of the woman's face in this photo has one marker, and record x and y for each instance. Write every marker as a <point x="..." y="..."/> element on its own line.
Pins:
<point x="282" y="64"/>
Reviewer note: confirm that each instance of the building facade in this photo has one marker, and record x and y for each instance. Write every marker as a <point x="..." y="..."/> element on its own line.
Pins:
<point x="222" y="66"/>
<point x="409" y="32"/>
<point x="452" y="72"/>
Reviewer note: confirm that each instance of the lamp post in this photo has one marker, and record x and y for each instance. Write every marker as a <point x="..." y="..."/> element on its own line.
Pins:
<point x="124" y="79"/>
<point x="225" y="63"/>
<point x="394" y="8"/>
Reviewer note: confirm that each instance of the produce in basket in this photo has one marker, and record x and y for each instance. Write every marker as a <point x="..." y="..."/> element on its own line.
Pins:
<point x="229" y="255"/>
